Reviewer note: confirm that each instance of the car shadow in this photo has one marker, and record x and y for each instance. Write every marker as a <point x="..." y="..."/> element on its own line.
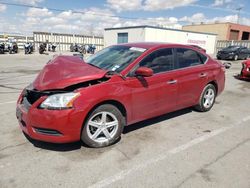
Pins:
<point x="155" y="120"/>
<point x="54" y="146"/>
<point x="242" y="79"/>
<point x="134" y="127"/>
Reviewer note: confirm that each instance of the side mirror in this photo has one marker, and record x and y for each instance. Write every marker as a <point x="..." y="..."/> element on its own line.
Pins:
<point x="144" y="71"/>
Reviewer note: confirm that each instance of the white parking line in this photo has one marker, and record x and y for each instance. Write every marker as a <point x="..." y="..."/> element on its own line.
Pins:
<point x="17" y="77"/>
<point x="8" y="102"/>
<point x="121" y="175"/>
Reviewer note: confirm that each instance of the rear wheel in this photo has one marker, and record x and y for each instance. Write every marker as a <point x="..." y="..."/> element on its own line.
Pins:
<point x="207" y="98"/>
<point x="236" y="57"/>
<point x="103" y="127"/>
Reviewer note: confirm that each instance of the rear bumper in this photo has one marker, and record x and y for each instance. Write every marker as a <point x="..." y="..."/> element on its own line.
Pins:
<point x="56" y="126"/>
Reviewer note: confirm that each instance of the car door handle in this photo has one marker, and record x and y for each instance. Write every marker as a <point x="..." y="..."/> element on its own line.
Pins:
<point x="172" y="81"/>
<point x="202" y="75"/>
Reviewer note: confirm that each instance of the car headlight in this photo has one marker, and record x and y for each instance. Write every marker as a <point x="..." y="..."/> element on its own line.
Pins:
<point x="231" y="53"/>
<point x="59" y="101"/>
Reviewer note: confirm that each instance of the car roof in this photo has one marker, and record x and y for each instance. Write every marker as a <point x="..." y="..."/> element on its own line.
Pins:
<point x="148" y="45"/>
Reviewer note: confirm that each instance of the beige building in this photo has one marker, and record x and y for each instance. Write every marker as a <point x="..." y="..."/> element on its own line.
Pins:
<point x="224" y="31"/>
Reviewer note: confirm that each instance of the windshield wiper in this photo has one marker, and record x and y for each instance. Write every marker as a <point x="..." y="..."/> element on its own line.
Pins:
<point x="94" y="65"/>
<point x="116" y="73"/>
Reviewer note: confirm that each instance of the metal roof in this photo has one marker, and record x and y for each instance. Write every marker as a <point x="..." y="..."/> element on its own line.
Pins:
<point x="155" y="27"/>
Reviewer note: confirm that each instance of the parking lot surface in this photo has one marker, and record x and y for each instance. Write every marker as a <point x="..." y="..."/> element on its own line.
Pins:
<point x="181" y="149"/>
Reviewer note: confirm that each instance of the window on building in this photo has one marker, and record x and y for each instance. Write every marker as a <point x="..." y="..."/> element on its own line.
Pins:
<point x="245" y="35"/>
<point x="122" y="38"/>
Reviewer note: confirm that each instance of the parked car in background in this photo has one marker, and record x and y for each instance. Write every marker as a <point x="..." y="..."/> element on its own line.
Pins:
<point x="233" y="53"/>
<point x="200" y="48"/>
<point x="120" y="85"/>
<point x="245" y="71"/>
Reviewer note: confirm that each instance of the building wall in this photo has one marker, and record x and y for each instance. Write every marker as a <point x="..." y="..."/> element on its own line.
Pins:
<point x="220" y="29"/>
<point x="205" y="41"/>
<point x="134" y="35"/>
<point x="225" y="31"/>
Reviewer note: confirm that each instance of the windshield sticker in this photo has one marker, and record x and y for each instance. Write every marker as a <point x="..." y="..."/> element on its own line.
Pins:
<point x="137" y="49"/>
<point x="115" y="67"/>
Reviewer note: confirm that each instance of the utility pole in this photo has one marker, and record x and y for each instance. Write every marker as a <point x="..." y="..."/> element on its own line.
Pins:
<point x="238" y="14"/>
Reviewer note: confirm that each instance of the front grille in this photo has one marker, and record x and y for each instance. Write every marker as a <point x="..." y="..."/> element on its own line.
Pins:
<point x="33" y="95"/>
<point x="51" y="132"/>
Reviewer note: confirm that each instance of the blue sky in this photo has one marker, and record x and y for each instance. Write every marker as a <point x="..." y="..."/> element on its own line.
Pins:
<point x="91" y="17"/>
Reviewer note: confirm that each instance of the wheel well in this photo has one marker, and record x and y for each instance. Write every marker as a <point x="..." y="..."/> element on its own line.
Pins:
<point x="215" y="85"/>
<point x="117" y="104"/>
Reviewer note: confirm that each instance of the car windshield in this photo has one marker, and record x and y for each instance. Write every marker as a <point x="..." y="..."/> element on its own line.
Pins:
<point x="115" y="58"/>
<point x="231" y="47"/>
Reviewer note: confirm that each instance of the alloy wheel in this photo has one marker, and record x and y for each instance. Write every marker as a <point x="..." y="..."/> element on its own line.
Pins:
<point x="102" y="127"/>
<point x="208" y="98"/>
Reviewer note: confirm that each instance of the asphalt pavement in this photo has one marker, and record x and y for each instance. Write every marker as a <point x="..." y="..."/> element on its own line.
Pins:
<point x="181" y="149"/>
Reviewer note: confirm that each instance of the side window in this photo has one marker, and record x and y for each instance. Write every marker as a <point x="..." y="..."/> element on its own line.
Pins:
<point x="159" y="61"/>
<point x="188" y="58"/>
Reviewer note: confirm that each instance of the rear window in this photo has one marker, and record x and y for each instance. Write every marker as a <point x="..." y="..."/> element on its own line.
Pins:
<point x="189" y="58"/>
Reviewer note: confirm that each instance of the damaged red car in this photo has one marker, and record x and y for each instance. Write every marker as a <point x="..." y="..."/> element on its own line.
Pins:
<point x="245" y="71"/>
<point x="92" y="101"/>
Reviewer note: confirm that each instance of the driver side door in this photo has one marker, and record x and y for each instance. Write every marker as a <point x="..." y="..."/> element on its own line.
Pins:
<point x="157" y="94"/>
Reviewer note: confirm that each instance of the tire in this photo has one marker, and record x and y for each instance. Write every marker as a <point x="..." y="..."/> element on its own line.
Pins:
<point x="236" y="57"/>
<point x="207" y="98"/>
<point x="40" y="51"/>
<point x="95" y="133"/>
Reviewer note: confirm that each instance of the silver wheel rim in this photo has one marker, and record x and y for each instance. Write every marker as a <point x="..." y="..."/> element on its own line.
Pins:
<point x="102" y="127"/>
<point x="208" y="98"/>
<point x="236" y="58"/>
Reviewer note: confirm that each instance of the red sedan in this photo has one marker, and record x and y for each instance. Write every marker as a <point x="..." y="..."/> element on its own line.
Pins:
<point x="245" y="71"/>
<point x="92" y="101"/>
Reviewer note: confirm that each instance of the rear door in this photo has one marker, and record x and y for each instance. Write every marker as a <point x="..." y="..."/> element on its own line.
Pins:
<point x="155" y="95"/>
<point x="192" y="76"/>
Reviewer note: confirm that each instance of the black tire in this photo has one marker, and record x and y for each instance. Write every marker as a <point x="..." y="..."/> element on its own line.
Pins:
<point x="103" y="108"/>
<point x="40" y="51"/>
<point x="201" y="106"/>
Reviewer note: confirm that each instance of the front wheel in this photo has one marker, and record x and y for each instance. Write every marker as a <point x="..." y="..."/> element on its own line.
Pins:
<point x="207" y="98"/>
<point x="236" y="57"/>
<point x="103" y="127"/>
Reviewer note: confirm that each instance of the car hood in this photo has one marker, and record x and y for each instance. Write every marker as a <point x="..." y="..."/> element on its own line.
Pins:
<point x="227" y="51"/>
<point x="64" y="71"/>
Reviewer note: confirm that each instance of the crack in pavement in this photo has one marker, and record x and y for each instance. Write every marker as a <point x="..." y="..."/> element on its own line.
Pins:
<point x="212" y="162"/>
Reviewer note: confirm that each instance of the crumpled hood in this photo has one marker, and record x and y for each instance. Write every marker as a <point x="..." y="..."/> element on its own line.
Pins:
<point x="64" y="71"/>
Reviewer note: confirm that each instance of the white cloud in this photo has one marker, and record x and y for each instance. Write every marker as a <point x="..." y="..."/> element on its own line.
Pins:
<point x="153" y="5"/>
<point x="221" y="2"/>
<point x="124" y="5"/>
<point x="148" y="5"/>
<point x="29" y="2"/>
<point x="2" y="8"/>
<point x="37" y="12"/>
<point x="198" y="17"/>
